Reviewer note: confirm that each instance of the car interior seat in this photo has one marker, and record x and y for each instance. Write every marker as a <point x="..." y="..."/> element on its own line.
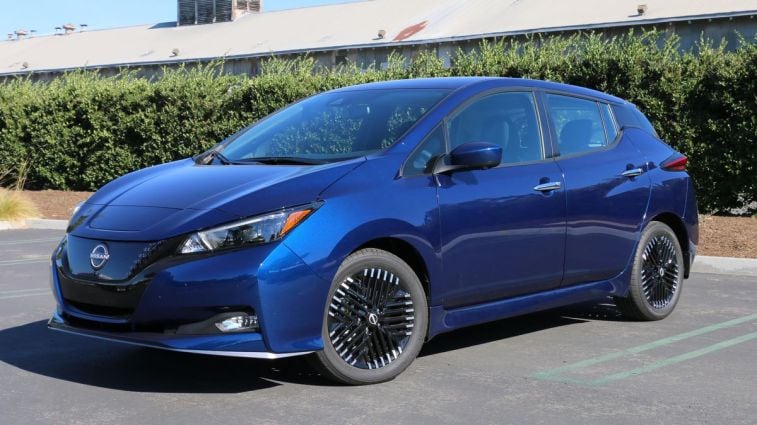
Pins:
<point x="575" y="136"/>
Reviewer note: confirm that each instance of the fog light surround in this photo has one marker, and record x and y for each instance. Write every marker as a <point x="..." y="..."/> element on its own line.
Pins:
<point x="241" y="323"/>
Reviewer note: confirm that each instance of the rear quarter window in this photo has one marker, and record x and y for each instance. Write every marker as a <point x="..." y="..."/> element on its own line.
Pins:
<point x="644" y="123"/>
<point x="629" y="116"/>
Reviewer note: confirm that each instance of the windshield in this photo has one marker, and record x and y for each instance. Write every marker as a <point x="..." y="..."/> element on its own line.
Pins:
<point x="333" y="126"/>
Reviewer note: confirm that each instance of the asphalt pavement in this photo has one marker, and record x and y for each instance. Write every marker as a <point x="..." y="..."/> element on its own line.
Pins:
<point x="579" y="365"/>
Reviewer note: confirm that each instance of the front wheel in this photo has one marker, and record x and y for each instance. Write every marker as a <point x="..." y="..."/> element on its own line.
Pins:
<point x="657" y="275"/>
<point x="375" y="320"/>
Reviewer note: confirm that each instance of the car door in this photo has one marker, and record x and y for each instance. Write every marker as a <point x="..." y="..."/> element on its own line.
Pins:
<point x="502" y="229"/>
<point x="606" y="188"/>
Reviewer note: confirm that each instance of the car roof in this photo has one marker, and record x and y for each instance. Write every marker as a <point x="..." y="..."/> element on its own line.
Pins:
<point x="459" y="83"/>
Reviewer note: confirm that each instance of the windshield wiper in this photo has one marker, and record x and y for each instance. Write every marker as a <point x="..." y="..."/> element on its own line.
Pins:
<point x="214" y="154"/>
<point x="276" y="160"/>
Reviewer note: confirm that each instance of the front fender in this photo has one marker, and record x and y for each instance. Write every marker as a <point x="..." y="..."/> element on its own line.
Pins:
<point x="325" y="254"/>
<point x="369" y="204"/>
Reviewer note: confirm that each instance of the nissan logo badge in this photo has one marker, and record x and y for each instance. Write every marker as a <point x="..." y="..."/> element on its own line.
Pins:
<point x="99" y="256"/>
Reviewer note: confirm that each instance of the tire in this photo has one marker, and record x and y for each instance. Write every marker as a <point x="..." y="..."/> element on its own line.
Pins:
<point x="657" y="275"/>
<point x="373" y="327"/>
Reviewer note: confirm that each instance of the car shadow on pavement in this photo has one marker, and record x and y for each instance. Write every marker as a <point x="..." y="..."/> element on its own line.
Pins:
<point x="34" y="348"/>
<point x="599" y="310"/>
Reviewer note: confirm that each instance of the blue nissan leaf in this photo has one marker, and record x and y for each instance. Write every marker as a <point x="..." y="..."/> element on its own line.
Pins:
<point x="357" y="224"/>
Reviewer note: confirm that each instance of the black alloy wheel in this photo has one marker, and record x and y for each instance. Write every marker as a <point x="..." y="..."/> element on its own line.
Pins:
<point x="371" y="319"/>
<point x="657" y="275"/>
<point x="660" y="271"/>
<point x="375" y="320"/>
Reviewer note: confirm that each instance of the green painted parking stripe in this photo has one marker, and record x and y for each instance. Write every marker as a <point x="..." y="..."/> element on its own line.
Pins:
<point x="673" y="360"/>
<point x="553" y="374"/>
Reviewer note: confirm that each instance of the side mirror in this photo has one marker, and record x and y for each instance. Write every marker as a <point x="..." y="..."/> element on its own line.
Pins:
<point x="470" y="156"/>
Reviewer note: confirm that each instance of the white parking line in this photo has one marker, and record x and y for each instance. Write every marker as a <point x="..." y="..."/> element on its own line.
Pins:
<point x="29" y="260"/>
<point x="6" y="295"/>
<point x="21" y="291"/>
<point x="28" y="241"/>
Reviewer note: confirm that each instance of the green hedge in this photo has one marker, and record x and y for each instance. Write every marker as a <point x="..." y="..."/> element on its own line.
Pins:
<point x="81" y="130"/>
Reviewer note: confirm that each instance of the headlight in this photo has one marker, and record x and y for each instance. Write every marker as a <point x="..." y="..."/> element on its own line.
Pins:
<point x="252" y="231"/>
<point x="76" y="209"/>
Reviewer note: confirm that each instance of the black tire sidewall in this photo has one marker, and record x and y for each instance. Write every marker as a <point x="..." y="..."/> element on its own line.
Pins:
<point x="330" y="359"/>
<point x="636" y="290"/>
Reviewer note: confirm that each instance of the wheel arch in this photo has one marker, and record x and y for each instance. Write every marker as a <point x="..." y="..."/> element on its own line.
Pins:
<point x="679" y="228"/>
<point x="407" y="253"/>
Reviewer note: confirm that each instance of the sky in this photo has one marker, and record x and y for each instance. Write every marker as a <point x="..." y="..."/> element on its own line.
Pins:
<point x="44" y="15"/>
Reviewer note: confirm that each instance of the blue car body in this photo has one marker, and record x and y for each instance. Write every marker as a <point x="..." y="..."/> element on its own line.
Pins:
<point x="484" y="243"/>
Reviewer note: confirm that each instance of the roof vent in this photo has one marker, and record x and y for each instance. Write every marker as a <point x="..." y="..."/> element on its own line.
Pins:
<point x="83" y="27"/>
<point x="69" y="28"/>
<point x="25" y="65"/>
<point x="243" y="7"/>
<point x="20" y="34"/>
<point x="381" y="35"/>
<point x="194" y="12"/>
<point x="641" y="9"/>
<point x="175" y="53"/>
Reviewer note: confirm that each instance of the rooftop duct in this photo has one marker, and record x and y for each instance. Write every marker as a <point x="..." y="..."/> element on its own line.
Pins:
<point x="195" y="12"/>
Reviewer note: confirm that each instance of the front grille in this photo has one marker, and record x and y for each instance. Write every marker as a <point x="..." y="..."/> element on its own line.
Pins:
<point x="126" y="259"/>
<point x="150" y="253"/>
<point x="97" y="326"/>
<point x="115" y="289"/>
<point x="110" y="327"/>
<point x="100" y="310"/>
<point x="117" y="301"/>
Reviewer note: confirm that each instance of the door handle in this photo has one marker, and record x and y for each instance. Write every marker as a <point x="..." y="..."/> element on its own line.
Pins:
<point x="548" y="187"/>
<point x="636" y="172"/>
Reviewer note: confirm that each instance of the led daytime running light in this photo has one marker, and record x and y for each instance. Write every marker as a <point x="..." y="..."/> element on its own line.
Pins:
<point x="254" y="231"/>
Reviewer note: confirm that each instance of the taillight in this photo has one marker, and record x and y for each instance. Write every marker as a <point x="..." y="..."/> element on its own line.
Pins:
<point x="675" y="163"/>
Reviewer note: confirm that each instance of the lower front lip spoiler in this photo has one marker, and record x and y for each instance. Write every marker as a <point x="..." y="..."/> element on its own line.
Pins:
<point x="59" y="324"/>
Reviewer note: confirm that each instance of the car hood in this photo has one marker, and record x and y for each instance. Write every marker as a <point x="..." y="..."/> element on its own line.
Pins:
<point x="180" y="197"/>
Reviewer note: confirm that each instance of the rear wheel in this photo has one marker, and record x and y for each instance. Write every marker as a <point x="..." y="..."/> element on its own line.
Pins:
<point x="657" y="275"/>
<point x="375" y="320"/>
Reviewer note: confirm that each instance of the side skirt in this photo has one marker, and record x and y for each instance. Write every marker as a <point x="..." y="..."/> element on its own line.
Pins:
<point x="443" y="320"/>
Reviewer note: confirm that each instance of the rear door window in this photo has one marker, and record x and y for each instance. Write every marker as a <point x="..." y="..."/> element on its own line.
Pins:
<point x="577" y="122"/>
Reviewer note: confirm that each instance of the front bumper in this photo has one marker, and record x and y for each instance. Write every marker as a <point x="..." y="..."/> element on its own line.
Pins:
<point x="250" y="345"/>
<point x="271" y="281"/>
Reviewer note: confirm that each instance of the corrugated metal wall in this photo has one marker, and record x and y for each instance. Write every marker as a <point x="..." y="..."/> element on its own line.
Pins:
<point x="690" y="33"/>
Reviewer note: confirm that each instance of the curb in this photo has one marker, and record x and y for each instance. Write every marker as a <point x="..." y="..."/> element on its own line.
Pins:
<point x="47" y="224"/>
<point x="37" y="223"/>
<point x="725" y="265"/>
<point x="11" y="225"/>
